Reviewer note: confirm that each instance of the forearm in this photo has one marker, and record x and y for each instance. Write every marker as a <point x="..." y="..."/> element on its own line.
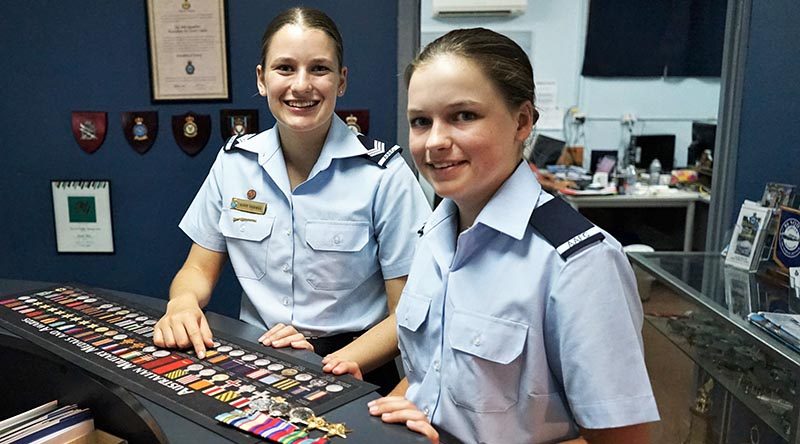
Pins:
<point x="191" y="282"/>
<point x="400" y="389"/>
<point x="375" y="347"/>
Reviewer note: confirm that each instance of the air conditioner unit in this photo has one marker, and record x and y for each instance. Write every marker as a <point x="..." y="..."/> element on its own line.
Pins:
<point x="468" y="8"/>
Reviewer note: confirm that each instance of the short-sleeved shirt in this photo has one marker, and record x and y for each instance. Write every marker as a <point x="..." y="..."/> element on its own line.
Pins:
<point x="318" y="256"/>
<point x="504" y="341"/>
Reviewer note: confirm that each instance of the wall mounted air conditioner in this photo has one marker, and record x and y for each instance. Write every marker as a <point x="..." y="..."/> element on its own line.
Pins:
<point x="468" y="8"/>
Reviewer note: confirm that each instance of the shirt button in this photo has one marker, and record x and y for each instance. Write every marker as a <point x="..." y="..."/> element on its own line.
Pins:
<point x="286" y="268"/>
<point x="241" y="228"/>
<point x="288" y="232"/>
<point x="286" y="301"/>
<point x="337" y="239"/>
<point x="477" y="341"/>
<point x="426" y="411"/>
<point x="436" y="365"/>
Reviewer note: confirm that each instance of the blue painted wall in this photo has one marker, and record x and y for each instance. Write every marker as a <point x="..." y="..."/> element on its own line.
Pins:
<point x="768" y="142"/>
<point x="92" y="55"/>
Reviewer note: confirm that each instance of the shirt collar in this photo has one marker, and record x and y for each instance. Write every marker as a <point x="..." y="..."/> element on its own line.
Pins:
<point x="510" y="209"/>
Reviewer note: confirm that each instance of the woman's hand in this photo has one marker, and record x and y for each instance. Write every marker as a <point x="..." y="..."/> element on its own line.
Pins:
<point x="183" y="325"/>
<point x="397" y="409"/>
<point x="340" y="366"/>
<point x="282" y="335"/>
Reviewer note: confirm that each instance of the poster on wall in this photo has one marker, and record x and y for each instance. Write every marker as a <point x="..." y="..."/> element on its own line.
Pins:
<point x="188" y="49"/>
<point x="82" y="215"/>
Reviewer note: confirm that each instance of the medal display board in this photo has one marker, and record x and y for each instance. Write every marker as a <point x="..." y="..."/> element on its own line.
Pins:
<point x="113" y="339"/>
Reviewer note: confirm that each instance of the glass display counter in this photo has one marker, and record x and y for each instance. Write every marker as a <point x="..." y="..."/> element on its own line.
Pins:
<point x="705" y="316"/>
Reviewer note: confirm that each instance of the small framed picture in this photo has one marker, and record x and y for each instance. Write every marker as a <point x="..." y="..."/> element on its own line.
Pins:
<point x="740" y="291"/>
<point x="786" y="246"/>
<point x="777" y="195"/>
<point x="82" y="216"/>
<point x="744" y="251"/>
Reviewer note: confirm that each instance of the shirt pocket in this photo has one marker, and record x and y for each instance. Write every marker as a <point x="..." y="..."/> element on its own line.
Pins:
<point x="340" y="259"/>
<point x="486" y="361"/>
<point x="247" y="237"/>
<point x="412" y="311"/>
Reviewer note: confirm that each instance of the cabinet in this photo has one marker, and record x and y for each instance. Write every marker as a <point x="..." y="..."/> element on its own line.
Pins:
<point x="701" y="310"/>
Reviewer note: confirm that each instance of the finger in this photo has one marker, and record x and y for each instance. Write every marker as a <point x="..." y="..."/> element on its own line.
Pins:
<point x="205" y="330"/>
<point x="286" y="340"/>
<point x="390" y="404"/>
<point x="303" y="345"/>
<point x="424" y="428"/>
<point x="179" y="333"/>
<point x="158" y="337"/>
<point x="169" y="340"/>
<point x="403" y="416"/>
<point x="196" y="337"/>
<point x="266" y="338"/>
<point x="348" y="368"/>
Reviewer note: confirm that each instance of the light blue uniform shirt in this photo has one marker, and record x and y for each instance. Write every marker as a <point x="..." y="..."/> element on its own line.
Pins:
<point x="503" y="340"/>
<point x="320" y="254"/>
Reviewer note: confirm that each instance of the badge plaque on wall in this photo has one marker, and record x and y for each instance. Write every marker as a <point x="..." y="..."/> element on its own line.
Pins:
<point x="191" y="131"/>
<point x="140" y="128"/>
<point x="236" y="122"/>
<point x="786" y="247"/>
<point x="356" y="119"/>
<point x="89" y="129"/>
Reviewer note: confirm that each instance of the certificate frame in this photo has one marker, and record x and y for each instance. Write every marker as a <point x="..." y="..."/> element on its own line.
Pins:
<point x="188" y="50"/>
<point x="82" y="216"/>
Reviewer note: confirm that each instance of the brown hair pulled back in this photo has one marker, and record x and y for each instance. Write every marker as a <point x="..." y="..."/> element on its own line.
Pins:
<point x="309" y="18"/>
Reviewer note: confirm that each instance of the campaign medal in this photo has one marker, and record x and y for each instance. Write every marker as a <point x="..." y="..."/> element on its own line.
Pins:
<point x="140" y="129"/>
<point x="191" y="131"/>
<point x="237" y="122"/>
<point x="89" y="129"/>
<point x="356" y="119"/>
<point x="248" y="206"/>
<point x="786" y="251"/>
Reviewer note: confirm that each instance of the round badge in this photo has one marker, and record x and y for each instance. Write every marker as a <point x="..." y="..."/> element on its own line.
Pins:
<point x="90" y="300"/>
<point x="275" y="367"/>
<point x="110" y="333"/>
<point x="149" y="349"/>
<point x="236" y="353"/>
<point x="318" y="383"/>
<point x="303" y="377"/>
<point x="82" y="298"/>
<point x="149" y="322"/>
<point x="207" y="372"/>
<point x="161" y="353"/>
<point x="300" y="414"/>
<point x="131" y="315"/>
<point x="224" y="349"/>
<point x="247" y="389"/>
<point x="215" y="344"/>
<point x="279" y="409"/>
<point x="101" y="329"/>
<point x="113" y="309"/>
<point x="789" y="240"/>
<point x="119" y="337"/>
<point x="248" y="358"/>
<point x="219" y="377"/>
<point x="104" y="306"/>
<point x="334" y="388"/>
<point x="251" y="194"/>
<point x="123" y="312"/>
<point x="194" y="367"/>
<point x="260" y="404"/>
<point x="289" y="372"/>
<point x="262" y="362"/>
<point x="141" y="318"/>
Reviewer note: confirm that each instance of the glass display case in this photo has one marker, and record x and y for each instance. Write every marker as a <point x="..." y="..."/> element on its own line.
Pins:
<point x="706" y="318"/>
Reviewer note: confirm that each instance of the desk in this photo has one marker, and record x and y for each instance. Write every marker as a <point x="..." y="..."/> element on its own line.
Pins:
<point x="673" y="199"/>
<point x="170" y="425"/>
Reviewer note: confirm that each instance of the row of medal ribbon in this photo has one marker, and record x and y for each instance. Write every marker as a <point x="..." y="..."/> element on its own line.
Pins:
<point x="279" y="378"/>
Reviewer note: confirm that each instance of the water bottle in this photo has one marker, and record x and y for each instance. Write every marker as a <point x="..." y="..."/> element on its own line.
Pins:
<point x="655" y="171"/>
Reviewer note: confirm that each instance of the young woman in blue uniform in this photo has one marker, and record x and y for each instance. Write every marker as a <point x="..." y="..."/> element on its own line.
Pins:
<point x="319" y="229"/>
<point x="520" y="320"/>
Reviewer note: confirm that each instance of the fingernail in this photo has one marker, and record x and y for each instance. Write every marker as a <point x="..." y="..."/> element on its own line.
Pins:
<point x="201" y="354"/>
<point x="371" y="403"/>
<point x="373" y="409"/>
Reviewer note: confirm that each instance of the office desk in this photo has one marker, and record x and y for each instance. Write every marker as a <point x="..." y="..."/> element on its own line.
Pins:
<point x="673" y="199"/>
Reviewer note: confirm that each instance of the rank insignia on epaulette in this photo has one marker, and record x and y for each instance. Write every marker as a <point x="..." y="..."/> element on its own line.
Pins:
<point x="564" y="228"/>
<point x="379" y="154"/>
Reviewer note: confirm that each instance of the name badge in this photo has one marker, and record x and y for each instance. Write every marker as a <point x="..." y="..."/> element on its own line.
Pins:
<point x="248" y="206"/>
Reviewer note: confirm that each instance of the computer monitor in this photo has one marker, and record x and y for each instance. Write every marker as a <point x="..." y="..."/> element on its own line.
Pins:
<point x="606" y="160"/>
<point x="654" y="146"/>
<point x="546" y="150"/>
<point x="703" y="138"/>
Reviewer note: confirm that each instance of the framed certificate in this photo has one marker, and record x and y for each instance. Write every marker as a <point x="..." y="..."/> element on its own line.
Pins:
<point x="82" y="215"/>
<point x="744" y="250"/>
<point x="188" y="50"/>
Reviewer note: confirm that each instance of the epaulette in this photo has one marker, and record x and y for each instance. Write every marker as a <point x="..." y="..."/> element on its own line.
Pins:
<point x="564" y="227"/>
<point x="378" y="152"/>
<point x="230" y="145"/>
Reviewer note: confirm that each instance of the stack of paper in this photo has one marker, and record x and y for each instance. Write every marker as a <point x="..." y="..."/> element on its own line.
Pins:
<point x="46" y="424"/>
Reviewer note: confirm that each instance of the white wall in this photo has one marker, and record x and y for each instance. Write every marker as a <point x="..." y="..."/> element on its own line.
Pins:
<point x="558" y="27"/>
